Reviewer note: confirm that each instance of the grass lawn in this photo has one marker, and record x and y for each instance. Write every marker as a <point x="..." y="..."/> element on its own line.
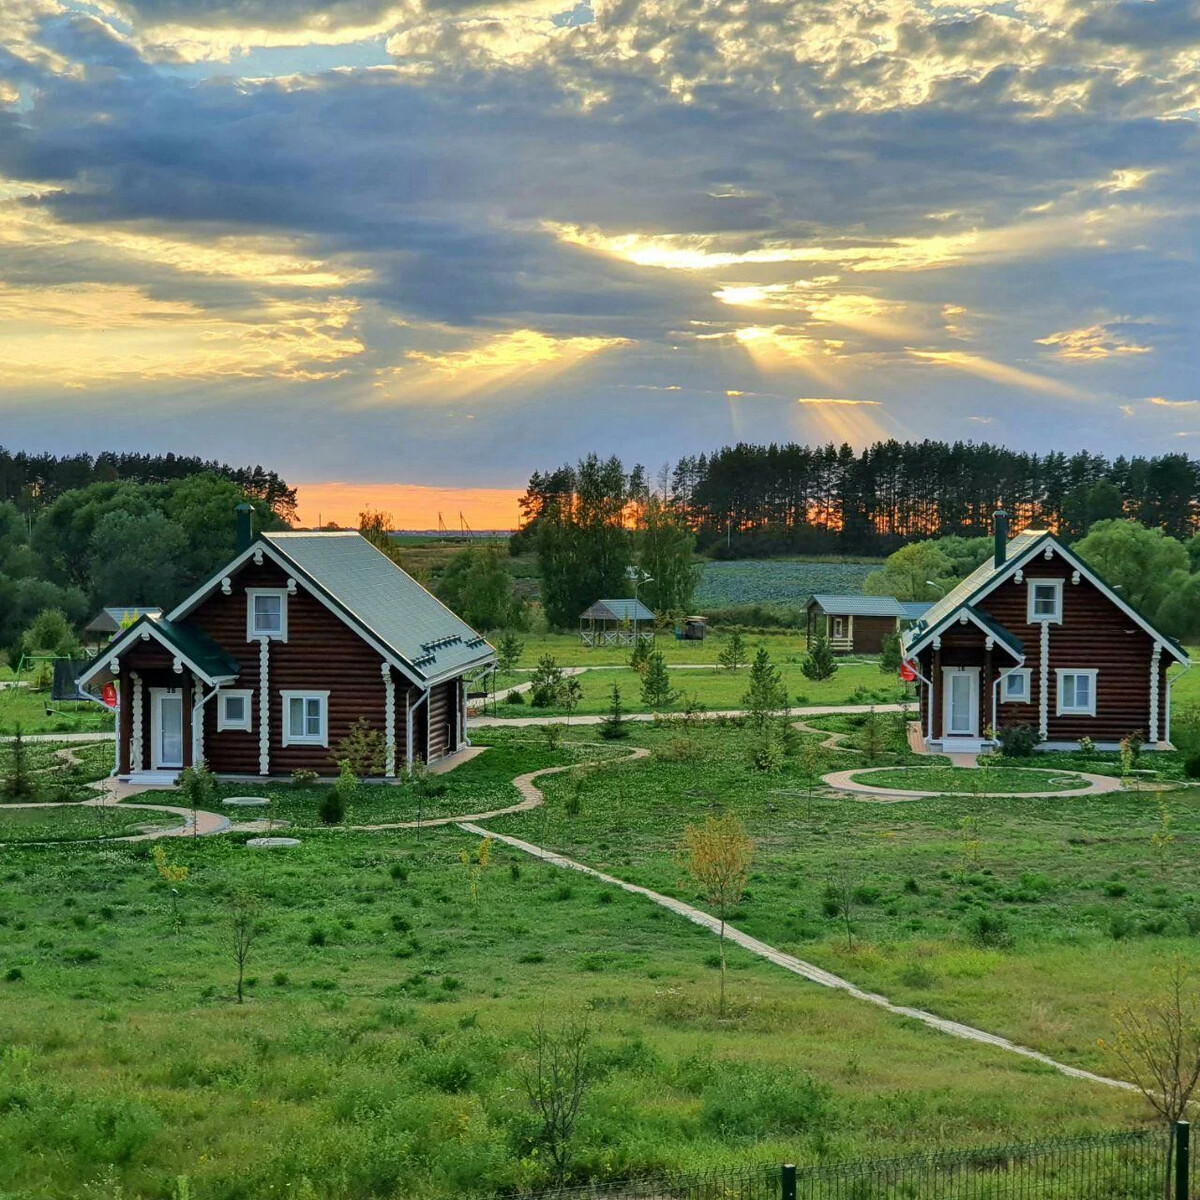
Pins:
<point x="569" y="651"/>
<point x="380" y="1049"/>
<point x="35" y="712"/>
<point x="856" y="682"/>
<point x="1030" y="917"/>
<point x="70" y="824"/>
<point x="967" y="781"/>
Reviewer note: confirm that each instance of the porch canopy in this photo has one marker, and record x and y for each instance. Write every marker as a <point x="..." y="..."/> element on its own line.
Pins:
<point x="960" y="661"/>
<point x="616" y="623"/>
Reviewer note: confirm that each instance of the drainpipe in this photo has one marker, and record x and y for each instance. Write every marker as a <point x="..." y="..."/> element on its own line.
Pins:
<point x="1167" y="719"/>
<point x="198" y="716"/>
<point x="408" y="740"/>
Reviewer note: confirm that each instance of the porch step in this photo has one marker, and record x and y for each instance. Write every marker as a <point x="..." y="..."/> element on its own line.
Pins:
<point x="962" y="745"/>
<point x="162" y="779"/>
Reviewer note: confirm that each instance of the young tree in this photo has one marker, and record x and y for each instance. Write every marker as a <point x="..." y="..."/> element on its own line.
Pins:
<point x="363" y="749"/>
<point x="1158" y="1045"/>
<point x="547" y="687"/>
<point x="733" y="653"/>
<point x="639" y="656"/>
<point x="819" y="662"/>
<point x="555" y="1074"/>
<point x="614" y="726"/>
<point x="198" y="789"/>
<point x="509" y="651"/>
<point x="718" y="858"/>
<point x="839" y="898"/>
<point x="476" y="862"/>
<point x="657" y="692"/>
<point x="172" y="874"/>
<point x="18" y="783"/>
<point x="376" y="526"/>
<point x="244" y="911"/>
<point x="872" y="737"/>
<point x="572" y="694"/>
<point x="765" y="696"/>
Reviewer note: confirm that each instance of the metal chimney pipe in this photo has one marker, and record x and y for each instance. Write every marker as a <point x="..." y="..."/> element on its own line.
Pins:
<point x="245" y="533"/>
<point x="1000" y="532"/>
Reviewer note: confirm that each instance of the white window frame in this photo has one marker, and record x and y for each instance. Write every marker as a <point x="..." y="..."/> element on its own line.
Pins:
<point x="1060" y="674"/>
<point x="1035" y="618"/>
<point x="290" y="739"/>
<point x="839" y="627"/>
<point x="1017" y="673"/>
<point x="246" y="695"/>
<point x="257" y="635"/>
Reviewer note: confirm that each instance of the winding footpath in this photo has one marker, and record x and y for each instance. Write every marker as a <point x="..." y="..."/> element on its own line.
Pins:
<point x="531" y="796"/>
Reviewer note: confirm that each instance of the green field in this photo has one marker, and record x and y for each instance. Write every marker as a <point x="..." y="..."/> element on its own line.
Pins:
<point x="71" y="824"/>
<point x="778" y="582"/>
<point x="34" y="712"/>
<point x="391" y="990"/>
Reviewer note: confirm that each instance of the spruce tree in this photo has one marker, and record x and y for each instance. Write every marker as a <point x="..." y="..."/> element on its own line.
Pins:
<point x="614" y="726"/>
<point x="18" y="780"/>
<point x="656" y="686"/>
<point x="765" y="696"/>
<point x="819" y="662"/>
<point x="733" y="653"/>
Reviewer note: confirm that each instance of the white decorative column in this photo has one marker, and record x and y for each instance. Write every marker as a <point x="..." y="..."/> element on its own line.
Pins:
<point x="264" y="708"/>
<point x="1043" y="682"/>
<point x="135" y="733"/>
<point x="1155" y="659"/>
<point x="197" y="721"/>
<point x="389" y="720"/>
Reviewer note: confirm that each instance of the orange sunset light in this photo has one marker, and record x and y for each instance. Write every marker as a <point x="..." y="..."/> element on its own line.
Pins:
<point x="412" y="506"/>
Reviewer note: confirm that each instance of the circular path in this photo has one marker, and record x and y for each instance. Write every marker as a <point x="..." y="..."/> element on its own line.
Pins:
<point x="843" y="781"/>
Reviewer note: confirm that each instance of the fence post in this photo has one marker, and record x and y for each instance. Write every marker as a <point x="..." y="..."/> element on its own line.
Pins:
<point x="789" y="1182"/>
<point x="1183" y="1189"/>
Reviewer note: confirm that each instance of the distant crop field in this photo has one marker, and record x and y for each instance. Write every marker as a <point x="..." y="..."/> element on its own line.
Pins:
<point x="775" y="581"/>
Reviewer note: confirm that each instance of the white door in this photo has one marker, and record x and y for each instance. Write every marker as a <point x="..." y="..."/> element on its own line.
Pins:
<point x="961" y="688"/>
<point x="166" y="732"/>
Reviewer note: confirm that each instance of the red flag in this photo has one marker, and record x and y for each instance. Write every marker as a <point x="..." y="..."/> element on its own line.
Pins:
<point x="109" y="695"/>
<point x="907" y="671"/>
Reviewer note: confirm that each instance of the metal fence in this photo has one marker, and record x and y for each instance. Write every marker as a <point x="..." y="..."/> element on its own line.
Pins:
<point x="1145" y="1165"/>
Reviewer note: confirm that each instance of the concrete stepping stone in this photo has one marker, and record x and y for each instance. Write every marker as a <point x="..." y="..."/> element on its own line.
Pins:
<point x="272" y="843"/>
<point x="246" y="802"/>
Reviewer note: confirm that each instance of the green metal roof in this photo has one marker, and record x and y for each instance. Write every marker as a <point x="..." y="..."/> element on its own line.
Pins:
<point x="385" y="601"/>
<point x="186" y="640"/>
<point x="617" y="610"/>
<point x="858" y="606"/>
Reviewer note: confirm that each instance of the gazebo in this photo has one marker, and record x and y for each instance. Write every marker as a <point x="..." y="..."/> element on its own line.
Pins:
<point x="616" y="623"/>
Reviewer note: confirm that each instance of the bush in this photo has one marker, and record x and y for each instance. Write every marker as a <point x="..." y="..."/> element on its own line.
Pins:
<point x="989" y="929"/>
<point x="332" y="810"/>
<point x="1018" y="741"/>
<point x="1191" y="766"/>
<point x="761" y="1102"/>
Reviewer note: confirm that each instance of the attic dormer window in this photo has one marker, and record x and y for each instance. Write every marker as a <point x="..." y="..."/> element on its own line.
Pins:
<point x="1045" y="600"/>
<point x="266" y="614"/>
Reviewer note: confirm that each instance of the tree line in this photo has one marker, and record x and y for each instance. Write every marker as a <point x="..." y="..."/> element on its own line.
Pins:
<point x="754" y="500"/>
<point x="32" y="482"/>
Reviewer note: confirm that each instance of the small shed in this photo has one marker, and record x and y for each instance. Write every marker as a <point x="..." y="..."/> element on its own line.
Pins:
<point x="695" y="629"/>
<point x="616" y="623"/>
<point x="111" y="619"/>
<point x="854" y="624"/>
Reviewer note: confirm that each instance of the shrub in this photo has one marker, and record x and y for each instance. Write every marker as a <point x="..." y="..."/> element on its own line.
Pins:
<point x="761" y="1102"/>
<point x="1018" y="741"/>
<point x="1191" y="766"/>
<point x="1119" y="926"/>
<point x="304" y="777"/>
<point x="547" y="683"/>
<point x="363" y="749"/>
<point x="819" y="662"/>
<point x="517" y="698"/>
<point x="332" y="810"/>
<point x="989" y="929"/>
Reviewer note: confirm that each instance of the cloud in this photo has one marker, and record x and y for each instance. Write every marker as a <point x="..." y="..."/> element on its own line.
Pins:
<point x="998" y="372"/>
<point x="1092" y="342"/>
<point x="838" y="400"/>
<point x="1163" y="403"/>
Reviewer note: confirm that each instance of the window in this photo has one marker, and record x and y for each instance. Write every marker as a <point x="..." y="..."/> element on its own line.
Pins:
<point x="1015" y="689"/>
<point x="1077" y="693"/>
<point x="304" y="719"/>
<point x="266" y="614"/>
<point x="234" y="710"/>
<point x="1045" y="600"/>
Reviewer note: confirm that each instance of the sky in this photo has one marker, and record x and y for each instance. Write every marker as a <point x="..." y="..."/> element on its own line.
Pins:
<point x="414" y="250"/>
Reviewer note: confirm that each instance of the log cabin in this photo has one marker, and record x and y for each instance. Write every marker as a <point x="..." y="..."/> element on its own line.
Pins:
<point x="1035" y="637"/>
<point x="853" y="624"/>
<point x="264" y="669"/>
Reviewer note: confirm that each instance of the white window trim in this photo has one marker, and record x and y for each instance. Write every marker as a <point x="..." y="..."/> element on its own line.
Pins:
<point x="287" y="738"/>
<point x="253" y="635"/>
<point x="1017" y="673"/>
<point x="247" y="697"/>
<point x="1059" y="673"/>
<point x="839" y="627"/>
<point x="1033" y="583"/>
